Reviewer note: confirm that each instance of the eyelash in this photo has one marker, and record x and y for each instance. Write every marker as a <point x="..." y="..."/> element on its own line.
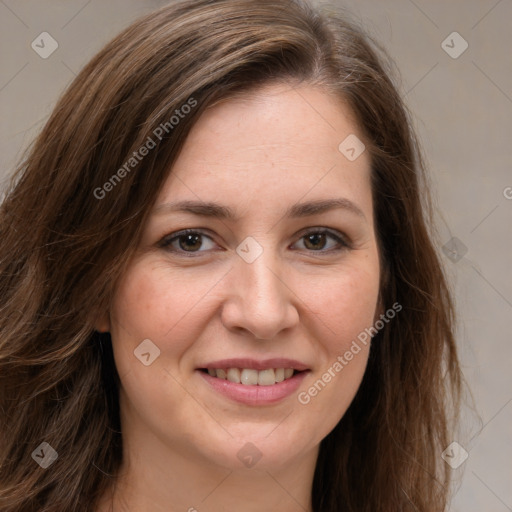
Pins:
<point x="166" y="242"/>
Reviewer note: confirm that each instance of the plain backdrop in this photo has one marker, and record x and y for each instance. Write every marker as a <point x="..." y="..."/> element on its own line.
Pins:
<point x="462" y="107"/>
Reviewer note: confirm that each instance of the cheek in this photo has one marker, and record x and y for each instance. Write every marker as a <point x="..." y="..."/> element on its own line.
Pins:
<point x="344" y="303"/>
<point x="153" y="302"/>
<point x="357" y="301"/>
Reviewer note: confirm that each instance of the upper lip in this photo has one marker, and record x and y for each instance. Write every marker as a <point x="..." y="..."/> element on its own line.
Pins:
<point x="255" y="364"/>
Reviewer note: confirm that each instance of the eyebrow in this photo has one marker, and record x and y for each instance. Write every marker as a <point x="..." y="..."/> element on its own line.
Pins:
<point x="211" y="209"/>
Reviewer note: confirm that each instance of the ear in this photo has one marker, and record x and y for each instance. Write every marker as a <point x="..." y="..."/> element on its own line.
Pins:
<point x="102" y="324"/>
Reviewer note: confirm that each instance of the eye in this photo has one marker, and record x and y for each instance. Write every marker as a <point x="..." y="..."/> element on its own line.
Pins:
<point x="186" y="241"/>
<point x="190" y="241"/>
<point x="317" y="240"/>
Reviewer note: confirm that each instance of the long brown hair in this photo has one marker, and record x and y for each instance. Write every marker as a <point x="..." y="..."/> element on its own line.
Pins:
<point x="66" y="237"/>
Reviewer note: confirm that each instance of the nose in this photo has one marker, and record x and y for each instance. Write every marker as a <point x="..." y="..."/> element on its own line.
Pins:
<point x="260" y="298"/>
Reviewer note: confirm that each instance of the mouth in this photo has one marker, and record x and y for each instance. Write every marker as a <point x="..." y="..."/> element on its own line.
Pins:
<point x="251" y="376"/>
<point x="254" y="382"/>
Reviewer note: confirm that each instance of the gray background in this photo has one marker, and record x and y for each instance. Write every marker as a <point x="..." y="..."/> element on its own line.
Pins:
<point x="462" y="109"/>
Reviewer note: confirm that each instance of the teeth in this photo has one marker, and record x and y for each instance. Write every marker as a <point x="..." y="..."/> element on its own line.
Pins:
<point x="233" y="374"/>
<point x="251" y="377"/>
<point x="267" y="377"/>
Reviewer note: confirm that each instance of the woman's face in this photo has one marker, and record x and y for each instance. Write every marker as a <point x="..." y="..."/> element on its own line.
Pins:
<point x="278" y="283"/>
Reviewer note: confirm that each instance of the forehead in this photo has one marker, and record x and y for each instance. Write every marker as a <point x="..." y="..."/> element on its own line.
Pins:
<point x="274" y="145"/>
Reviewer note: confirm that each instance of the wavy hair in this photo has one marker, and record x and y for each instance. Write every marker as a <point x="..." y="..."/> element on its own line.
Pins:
<point x="63" y="249"/>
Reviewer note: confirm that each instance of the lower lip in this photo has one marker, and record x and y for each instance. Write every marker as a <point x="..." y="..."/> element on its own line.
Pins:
<point x="255" y="395"/>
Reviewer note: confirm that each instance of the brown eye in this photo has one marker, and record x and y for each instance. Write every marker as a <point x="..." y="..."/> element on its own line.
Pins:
<point x="318" y="241"/>
<point x="188" y="241"/>
<point x="315" y="241"/>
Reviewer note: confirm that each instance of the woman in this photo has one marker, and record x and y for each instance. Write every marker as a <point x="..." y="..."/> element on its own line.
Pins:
<point x="219" y="285"/>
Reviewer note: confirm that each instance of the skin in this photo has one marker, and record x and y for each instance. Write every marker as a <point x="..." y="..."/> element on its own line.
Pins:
<point x="258" y="154"/>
